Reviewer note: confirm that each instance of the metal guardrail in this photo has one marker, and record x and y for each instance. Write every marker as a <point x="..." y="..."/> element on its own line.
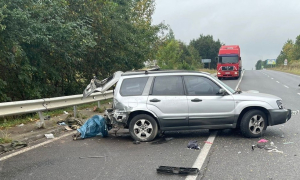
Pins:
<point x="40" y="105"/>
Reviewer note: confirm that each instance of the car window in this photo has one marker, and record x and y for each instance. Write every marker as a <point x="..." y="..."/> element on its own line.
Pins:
<point x="133" y="86"/>
<point x="200" y="86"/>
<point x="227" y="87"/>
<point x="168" y="85"/>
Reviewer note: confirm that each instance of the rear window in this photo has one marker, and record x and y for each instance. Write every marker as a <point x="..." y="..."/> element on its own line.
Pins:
<point x="133" y="86"/>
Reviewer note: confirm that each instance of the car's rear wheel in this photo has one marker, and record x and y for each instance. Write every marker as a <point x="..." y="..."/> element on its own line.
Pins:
<point x="253" y="124"/>
<point x="143" y="128"/>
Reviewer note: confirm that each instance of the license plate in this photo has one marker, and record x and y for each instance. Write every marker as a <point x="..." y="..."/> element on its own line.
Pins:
<point x="227" y="72"/>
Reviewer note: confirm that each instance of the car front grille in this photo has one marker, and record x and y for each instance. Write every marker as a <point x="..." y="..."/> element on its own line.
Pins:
<point x="227" y="68"/>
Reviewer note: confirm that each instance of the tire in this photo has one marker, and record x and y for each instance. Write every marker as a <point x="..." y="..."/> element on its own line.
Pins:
<point x="253" y="124"/>
<point x="143" y="128"/>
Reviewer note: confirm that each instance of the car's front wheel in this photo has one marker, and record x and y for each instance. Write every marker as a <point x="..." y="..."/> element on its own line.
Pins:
<point x="143" y="128"/>
<point x="253" y="124"/>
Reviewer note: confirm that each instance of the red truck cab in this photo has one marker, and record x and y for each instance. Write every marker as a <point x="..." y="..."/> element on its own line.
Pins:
<point x="229" y="62"/>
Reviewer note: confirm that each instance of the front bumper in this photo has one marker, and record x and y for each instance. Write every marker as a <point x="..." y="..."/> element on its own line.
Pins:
<point x="279" y="116"/>
<point x="228" y="74"/>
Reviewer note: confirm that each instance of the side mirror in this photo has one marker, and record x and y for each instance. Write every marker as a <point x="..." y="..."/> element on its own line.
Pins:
<point x="217" y="59"/>
<point x="240" y="58"/>
<point x="222" y="92"/>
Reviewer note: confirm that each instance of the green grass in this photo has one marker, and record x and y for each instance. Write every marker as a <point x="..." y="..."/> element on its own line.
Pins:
<point x="5" y="137"/>
<point x="12" y="121"/>
<point x="293" y="67"/>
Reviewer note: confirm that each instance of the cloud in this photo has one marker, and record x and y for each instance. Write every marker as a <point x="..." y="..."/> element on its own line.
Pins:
<point x="260" y="27"/>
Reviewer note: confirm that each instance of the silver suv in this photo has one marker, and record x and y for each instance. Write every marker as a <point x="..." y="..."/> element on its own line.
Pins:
<point x="149" y="102"/>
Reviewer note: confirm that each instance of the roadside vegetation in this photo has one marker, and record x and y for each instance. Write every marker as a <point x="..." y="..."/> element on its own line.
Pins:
<point x="11" y="121"/>
<point x="293" y="67"/>
<point x="290" y="52"/>
<point x="53" y="48"/>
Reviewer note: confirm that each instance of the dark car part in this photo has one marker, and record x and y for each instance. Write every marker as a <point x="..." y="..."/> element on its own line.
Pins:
<point x="177" y="170"/>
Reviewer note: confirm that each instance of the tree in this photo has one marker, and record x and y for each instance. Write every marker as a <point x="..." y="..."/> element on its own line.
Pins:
<point x="52" y="48"/>
<point x="258" y="65"/>
<point x="207" y="48"/>
<point x="169" y="54"/>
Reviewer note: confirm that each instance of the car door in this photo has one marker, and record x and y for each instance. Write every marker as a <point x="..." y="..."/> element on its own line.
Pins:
<point x="168" y="101"/>
<point x="207" y="108"/>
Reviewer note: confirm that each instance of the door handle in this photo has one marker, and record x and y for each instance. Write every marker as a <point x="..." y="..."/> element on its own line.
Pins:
<point x="196" y="100"/>
<point x="154" y="100"/>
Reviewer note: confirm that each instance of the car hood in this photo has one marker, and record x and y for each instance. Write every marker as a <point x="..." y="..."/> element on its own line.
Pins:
<point x="101" y="86"/>
<point x="255" y="95"/>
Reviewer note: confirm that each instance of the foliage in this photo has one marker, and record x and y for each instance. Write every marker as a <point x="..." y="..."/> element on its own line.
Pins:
<point x="54" y="47"/>
<point x="258" y="65"/>
<point x="289" y="51"/>
<point x="207" y="48"/>
<point x="174" y="54"/>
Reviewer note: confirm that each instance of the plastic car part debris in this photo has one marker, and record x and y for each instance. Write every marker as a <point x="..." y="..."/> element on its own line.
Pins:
<point x="136" y="142"/>
<point x="267" y="148"/>
<point x="288" y="143"/>
<point x="76" y="136"/>
<point x="13" y="146"/>
<point x="68" y="128"/>
<point x="65" y="112"/>
<point x="162" y="140"/>
<point x="193" y="145"/>
<point x="262" y="141"/>
<point x="49" y="136"/>
<point x="62" y="124"/>
<point x="47" y="117"/>
<point x="295" y="112"/>
<point x="21" y="125"/>
<point x="177" y="170"/>
<point x="168" y="139"/>
<point x="207" y="142"/>
<point x="92" y="157"/>
<point x="275" y="150"/>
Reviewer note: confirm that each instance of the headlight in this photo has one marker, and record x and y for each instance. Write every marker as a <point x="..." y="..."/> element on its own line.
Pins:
<point x="279" y="103"/>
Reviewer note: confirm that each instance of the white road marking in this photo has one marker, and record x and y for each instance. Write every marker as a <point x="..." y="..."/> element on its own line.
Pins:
<point x="237" y="86"/>
<point x="277" y="81"/>
<point x="35" y="146"/>
<point x="272" y="78"/>
<point x="202" y="155"/>
<point x="286" y="86"/>
<point x="298" y="93"/>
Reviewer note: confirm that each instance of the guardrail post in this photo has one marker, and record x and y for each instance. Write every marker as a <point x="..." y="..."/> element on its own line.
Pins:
<point x="75" y="110"/>
<point x="41" y="123"/>
<point x="98" y="104"/>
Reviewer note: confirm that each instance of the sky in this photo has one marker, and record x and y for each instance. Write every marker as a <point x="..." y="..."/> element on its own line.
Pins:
<point x="259" y="27"/>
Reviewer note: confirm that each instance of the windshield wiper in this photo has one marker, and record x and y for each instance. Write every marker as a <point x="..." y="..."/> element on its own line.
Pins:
<point x="238" y="91"/>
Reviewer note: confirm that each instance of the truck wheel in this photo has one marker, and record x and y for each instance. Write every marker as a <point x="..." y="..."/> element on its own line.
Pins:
<point x="253" y="124"/>
<point x="143" y="128"/>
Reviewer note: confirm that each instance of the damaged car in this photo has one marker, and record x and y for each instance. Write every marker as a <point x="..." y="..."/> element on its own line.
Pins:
<point x="150" y="102"/>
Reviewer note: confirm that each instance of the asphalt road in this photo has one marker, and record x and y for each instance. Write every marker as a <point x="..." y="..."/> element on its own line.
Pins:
<point x="230" y="156"/>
